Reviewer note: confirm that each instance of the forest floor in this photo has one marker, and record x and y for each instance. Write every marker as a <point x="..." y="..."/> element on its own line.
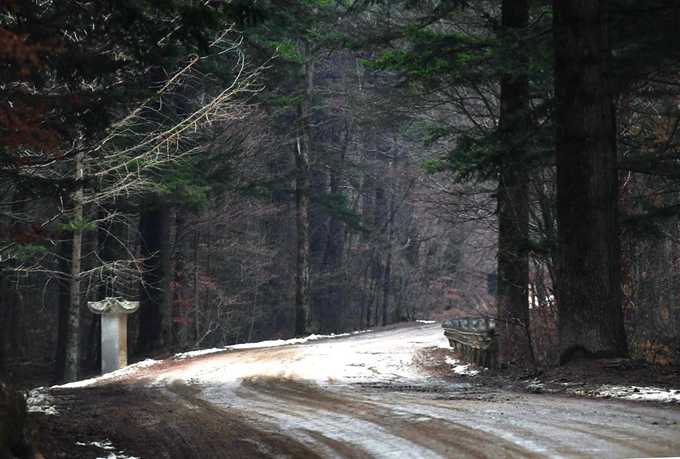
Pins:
<point x="393" y="392"/>
<point x="604" y="378"/>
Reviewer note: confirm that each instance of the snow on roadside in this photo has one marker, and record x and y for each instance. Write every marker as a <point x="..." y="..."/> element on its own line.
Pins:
<point x="39" y="401"/>
<point x="107" y="446"/>
<point x="461" y="368"/>
<point x="633" y="393"/>
<point x="135" y="367"/>
<point x="645" y="394"/>
<point x="261" y="344"/>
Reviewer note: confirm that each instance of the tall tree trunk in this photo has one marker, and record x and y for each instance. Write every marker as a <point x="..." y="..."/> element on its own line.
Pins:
<point x="64" y="250"/>
<point x="154" y="306"/>
<point x="10" y="308"/>
<point x="302" y="197"/>
<point x="381" y="241"/>
<point x="590" y="317"/>
<point x="365" y="305"/>
<point x="513" y="209"/>
<point x="197" y="287"/>
<point x="72" y="366"/>
<point x="302" y="274"/>
<point x="12" y="344"/>
<point x="387" y="281"/>
<point x="332" y="259"/>
<point x="388" y="229"/>
<point x="181" y="291"/>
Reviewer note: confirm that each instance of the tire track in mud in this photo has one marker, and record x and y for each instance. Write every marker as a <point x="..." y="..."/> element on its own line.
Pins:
<point x="412" y="434"/>
<point x="169" y="422"/>
<point x="564" y="427"/>
<point x="444" y="429"/>
<point x="559" y="427"/>
<point x="230" y="434"/>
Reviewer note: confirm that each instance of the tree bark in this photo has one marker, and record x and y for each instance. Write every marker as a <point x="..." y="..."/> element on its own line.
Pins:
<point x="590" y="318"/>
<point x="12" y="343"/>
<point x="302" y="274"/>
<point x="72" y="366"/>
<point x="513" y="206"/>
<point x="302" y="197"/>
<point x="182" y="278"/>
<point x="197" y="287"/>
<point x="154" y="307"/>
<point x="386" y="282"/>
<point x="387" y="274"/>
<point x="8" y="306"/>
<point x="64" y="251"/>
<point x="332" y="295"/>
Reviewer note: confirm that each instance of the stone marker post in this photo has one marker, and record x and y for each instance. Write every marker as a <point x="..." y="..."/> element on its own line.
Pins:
<point x="114" y="313"/>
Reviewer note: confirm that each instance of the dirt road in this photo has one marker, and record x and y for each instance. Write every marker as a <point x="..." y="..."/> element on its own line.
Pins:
<point x="358" y="396"/>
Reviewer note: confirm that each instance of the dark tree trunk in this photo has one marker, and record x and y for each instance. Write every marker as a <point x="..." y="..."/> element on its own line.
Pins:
<point x="302" y="197"/>
<point x="318" y="218"/>
<point x="332" y="259"/>
<point x="197" y="287"/>
<point x="388" y="230"/>
<point x="513" y="210"/>
<point x="387" y="281"/>
<point x="365" y="304"/>
<point x="154" y="306"/>
<point x="64" y="302"/>
<point x="182" y="280"/>
<point x="11" y="319"/>
<point x="382" y="272"/>
<point x="320" y="297"/>
<point x="10" y="323"/>
<point x="3" y="333"/>
<point x="302" y="274"/>
<point x="590" y="317"/>
<point x="72" y="368"/>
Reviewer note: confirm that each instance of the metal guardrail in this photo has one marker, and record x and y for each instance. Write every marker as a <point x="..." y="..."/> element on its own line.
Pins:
<point x="474" y="339"/>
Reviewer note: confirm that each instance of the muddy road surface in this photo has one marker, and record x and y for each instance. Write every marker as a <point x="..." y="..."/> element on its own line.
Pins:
<point x="357" y="396"/>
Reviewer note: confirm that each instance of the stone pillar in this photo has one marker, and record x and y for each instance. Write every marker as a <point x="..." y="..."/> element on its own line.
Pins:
<point x="114" y="312"/>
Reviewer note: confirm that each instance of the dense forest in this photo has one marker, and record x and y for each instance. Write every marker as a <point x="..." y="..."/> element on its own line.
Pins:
<point x="252" y="170"/>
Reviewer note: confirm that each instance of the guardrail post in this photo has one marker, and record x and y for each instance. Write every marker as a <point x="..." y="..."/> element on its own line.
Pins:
<point x="474" y="339"/>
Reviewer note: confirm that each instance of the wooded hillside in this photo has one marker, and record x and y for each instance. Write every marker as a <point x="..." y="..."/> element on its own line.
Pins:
<point x="258" y="170"/>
